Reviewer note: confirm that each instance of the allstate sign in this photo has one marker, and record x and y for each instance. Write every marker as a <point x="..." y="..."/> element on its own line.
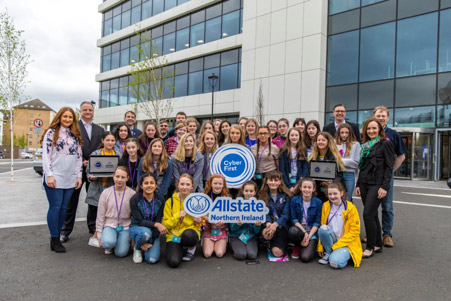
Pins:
<point x="226" y="209"/>
<point x="235" y="162"/>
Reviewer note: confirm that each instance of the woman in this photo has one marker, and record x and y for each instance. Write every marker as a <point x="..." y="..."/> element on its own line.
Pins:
<point x="235" y="136"/>
<point x="282" y="126"/>
<point x="313" y="129"/>
<point x="62" y="169"/>
<point x="242" y="123"/>
<point x="272" y="126"/>
<point x="300" y="124"/>
<point x="217" y="124"/>
<point x="207" y="147"/>
<point x="324" y="149"/>
<point x="293" y="160"/>
<point x="130" y="159"/>
<point x="349" y="149"/>
<point x="206" y="126"/>
<point x="224" y="131"/>
<point x="376" y="167"/>
<point x="251" y="131"/>
<point x="171" y="144"/>
<point x="121" y="133"/>
<point x="150" y="132"/>
<point x="266" y="155"/>
<point x="192" y="125"/>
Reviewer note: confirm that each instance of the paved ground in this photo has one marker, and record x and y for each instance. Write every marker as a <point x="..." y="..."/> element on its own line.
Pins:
<point x="5" y="165"/>
<point x="418" y="268"/>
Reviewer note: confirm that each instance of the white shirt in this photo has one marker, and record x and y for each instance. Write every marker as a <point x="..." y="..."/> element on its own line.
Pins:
<point x="336" y="223"/>
<point x="336" y="125"/>
<point x="88" y="128"/>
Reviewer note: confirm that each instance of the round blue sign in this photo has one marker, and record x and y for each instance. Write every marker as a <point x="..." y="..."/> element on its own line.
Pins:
<point x="197" y="204"/>
<point x="98" y="164"/>
<point x="317" y="169"/>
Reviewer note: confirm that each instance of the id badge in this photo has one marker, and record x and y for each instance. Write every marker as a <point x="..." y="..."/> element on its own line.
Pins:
<point x="244" y="237"/>
<point x="258" y="176"/>
<point x="292" y="180"/>
<point x="313" y="237"/>
<point x="215" y="232"/>
<point x="176" y="239"/>
<point x="119" y="228"/>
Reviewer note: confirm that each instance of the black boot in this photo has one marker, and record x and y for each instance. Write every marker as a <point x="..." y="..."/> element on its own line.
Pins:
<point x="55" y="245"/>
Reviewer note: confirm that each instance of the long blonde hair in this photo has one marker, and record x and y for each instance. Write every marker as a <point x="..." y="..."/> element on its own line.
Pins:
<point x="331" y="146"/>
<point x="242" y="140"/>
<point x="180" y="151"/>
<point x="202" y="147"/>
<point x="148" y="158"/>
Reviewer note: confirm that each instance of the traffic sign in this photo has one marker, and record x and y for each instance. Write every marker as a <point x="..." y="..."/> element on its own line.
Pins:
<point x="38" y="123"/>
<point x="38" y="130"/>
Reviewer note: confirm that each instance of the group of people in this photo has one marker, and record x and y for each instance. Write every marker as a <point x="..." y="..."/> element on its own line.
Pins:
<point x="158" y="169"/>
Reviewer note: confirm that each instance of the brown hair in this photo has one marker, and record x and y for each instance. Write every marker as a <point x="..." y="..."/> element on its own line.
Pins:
<point x="298" y="190"/>
<point x="138" y="152"/>
<point x="252" y="183"/>
<point x="264" y="191"/>
<point x="184" y="175"/>
<point x="242" y="141"/>
<point x="365" y="128"/>
<point x="310" y="141"/>
<point x="349" y="141"/>
<point x="56" y="125"/>
<point x="300" y="147"/>
<point x="331" y="146"/>
<point x="143" y="137"/>
<point x="148" y="158"/>
<point x="381" y="108"/>
<point x="123" y="168"/>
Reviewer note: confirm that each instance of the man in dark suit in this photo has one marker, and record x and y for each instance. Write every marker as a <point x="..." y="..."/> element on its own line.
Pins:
<point x="92" y="138"/>
<point x="130" y="120"/>
<point x="339" y="118"/>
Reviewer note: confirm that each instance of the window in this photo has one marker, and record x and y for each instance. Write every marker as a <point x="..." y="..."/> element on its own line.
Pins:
<point x="444" y="88"/>
<point x="158" y="7"/>
<point x="182" y="39"/>
<point x="344" y="22"/>
<point x="207" y="73"/>
<point x="169" y="43"/>
<point x="415" y="91"/>
<point x="231" y="24"/>
<point x="379" y="13"/>
<point x="136" y="14"/>
<point x="229" y="77"/>
<point x="195" y="83"/>
<point x="445" y="41"/>
<point x="126" y="17"/>
<point x="147" y="10"/>
<point x="444" y="116"/>
<point x="422" y="117"/>
<point x="378" y="93"/>
<point x="168" y="4"/>
<point x="407" y="8"/>
<point x="342" y="58"/>
<point x="197" y="34"/>
<point x="213" y="31"/>
<point x="337" y="6"/>
<point x="346" y="95"/>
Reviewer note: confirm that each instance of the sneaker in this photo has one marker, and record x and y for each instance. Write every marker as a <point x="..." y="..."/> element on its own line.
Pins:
<point x="295" y="252"/>
<point x="388" y="241"/>
<point x="108" y="251"/>
<point x="325" y="259"/>
<point x="94" y="242"/>
<point x="188" y="256"/>
<point x="137" y="256"/>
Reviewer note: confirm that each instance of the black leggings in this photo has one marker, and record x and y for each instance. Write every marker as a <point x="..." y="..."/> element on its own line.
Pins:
<point x="279" y="239"/>
<point x="370" y="215"/>
<point x="174" y="251"/>
<point x="296" y="236"/>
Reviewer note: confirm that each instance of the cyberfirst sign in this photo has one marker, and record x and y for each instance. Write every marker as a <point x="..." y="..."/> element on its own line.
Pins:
<point x="225" y="209"/>
<point x="235" y="162"/>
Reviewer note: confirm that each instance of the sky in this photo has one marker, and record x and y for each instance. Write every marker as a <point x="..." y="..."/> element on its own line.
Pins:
<point x="60" y="37"/>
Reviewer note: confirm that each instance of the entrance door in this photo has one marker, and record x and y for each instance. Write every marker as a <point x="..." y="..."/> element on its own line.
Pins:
<point x="445" y="155"/>
<point x="405" y="170"/>
<point x="421" y="159"/>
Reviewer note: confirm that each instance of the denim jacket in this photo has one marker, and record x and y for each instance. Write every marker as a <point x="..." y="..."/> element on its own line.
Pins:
<point x="139" y="213"/>
<point x="285" y="169"/>
<point x="313" y="212"/>
<point x="163" y="179"/>
<point x="281" y="206"/>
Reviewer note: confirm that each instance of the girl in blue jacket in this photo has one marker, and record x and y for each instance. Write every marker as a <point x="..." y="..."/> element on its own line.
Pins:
<point x="277" y="198"/>
<point x="305" y="219"/>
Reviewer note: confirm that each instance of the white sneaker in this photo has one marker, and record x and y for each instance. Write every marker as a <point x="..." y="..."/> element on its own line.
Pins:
<point x="108" y="251"/>
<point x="325" y="259"/>
<point x="137" y="256"/>
<point x="94" y="242"/>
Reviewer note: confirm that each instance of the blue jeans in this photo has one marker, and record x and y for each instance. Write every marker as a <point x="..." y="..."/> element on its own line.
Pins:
<point x="339" y="258"/>
<point x="349" y="181"/>
<point x="388" y="214"/>
<point x="119" y="241"/>
<point x="142" y="235"/>
<point x="58" y="200"/>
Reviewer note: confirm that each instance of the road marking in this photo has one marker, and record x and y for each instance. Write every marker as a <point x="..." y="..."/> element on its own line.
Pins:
<point x="415" y="204"/>
<point x="16" y="170"/>
<point x="27" y="224"/>
<point x="421" y="187"/>
<point x="428" y="194"/>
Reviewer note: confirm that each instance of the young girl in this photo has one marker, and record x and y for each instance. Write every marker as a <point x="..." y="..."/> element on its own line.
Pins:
<point x="236" y="136"/>
<point x="206" y="126"/>
<point x="325" y="150"/>
<point x="146" y="225"/>
<point x="242" y="123"/>
<point x="349" y="149"/>
<point x="215" y="235"/>
<point x="113" y="215"/>
<point x="97" y="185"/>
<point x="251" y="131"/>
<point x="313" y="129"/>
<point x="171" y="144"/>
<point x="224" y="131"/>
<point x="266" y="154"/>
<point x="130" y="159"/>
<point x="207" y="147"/>
<point x="150" y="132"/>
<point x="217" y="126"/>
<point x="244" y="236"/>
<point x="157" y="162"/>
<point x="277" y="199"/>
<point x="272" y="126"/>
<point x="305" y="220"/>
<point x="299" y="123"/>
<point x="183" y="229"/>
<point x="293" y="160"/>
<point x="121" y="134"/>
<point x="339" y="234"/>
<point x="192" y="125"/>
<point x="187" y="159"/>
<point x="282" y="126"/>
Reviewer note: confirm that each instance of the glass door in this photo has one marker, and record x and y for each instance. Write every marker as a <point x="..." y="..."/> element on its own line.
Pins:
<point x="421" y="156"/>
<point x="445" y="155"/>
<point x="405" y="170"/>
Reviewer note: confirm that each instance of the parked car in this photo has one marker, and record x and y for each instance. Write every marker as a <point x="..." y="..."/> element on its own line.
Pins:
<point x="27" y="155"/>
<point x="37" y="161"/>
<point x="2" y="155"/>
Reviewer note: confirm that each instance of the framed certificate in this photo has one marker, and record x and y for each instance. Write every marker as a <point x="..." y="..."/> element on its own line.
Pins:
<point x="102" y="166"/>
<point x="323" y="170"/>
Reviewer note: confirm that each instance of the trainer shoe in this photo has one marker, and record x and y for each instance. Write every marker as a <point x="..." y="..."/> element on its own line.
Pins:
<point x="295" y="252"/>
<point x="108" y="251"/>
<point x="188" y="256"/>
<point x="388" y="241"/>
<point x="137" y="256"/>
<point x="325" y="259"/>
<point x="94" y="242"/>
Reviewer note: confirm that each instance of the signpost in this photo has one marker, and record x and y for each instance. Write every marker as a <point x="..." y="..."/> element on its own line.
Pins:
<point x="38" y="123"/>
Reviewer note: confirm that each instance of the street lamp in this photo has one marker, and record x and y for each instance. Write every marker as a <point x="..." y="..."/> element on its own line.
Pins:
<point x="213" y="79"/>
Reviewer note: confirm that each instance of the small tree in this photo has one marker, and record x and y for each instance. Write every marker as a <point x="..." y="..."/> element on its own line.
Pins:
<point x="151" y="81"/>
<point x="259" y="108"/>
<point x="13" y="70"/>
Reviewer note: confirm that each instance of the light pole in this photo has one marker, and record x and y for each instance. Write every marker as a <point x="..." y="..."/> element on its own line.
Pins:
<point x="213" y="79"/>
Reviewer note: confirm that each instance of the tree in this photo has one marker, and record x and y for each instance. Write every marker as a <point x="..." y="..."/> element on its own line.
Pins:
<point x="20" y="141"/>
<point x="259" y="108"/>
<point x="13" y="70"/>
<point x="151" y="80"/>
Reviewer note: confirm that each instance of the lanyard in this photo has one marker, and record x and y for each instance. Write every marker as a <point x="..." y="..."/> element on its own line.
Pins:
<point x="154" y="167"/>
<point x="132" y="175"/>
<point x="187" y="170"/>
<point x="329" y="220"/>
<point x="122" y="144"/>
<point x="150" y="218"/>
<point x="206" y="165"/>
<point x="119" y="209"/>
<point x="147" y="143"/>
<point x="261" y="155"/>
<point x="103" y="150"/>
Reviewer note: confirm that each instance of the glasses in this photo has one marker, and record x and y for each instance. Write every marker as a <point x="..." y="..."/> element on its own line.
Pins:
<point x="340" y="111"/>
<point x="263" y="134"/>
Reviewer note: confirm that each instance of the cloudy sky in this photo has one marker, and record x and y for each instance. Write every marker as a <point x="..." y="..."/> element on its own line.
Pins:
<point x="61" y="39"/>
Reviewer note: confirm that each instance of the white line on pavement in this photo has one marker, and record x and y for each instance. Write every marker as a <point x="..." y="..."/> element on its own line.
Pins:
<point x="428" y="194"/>
<point x="415" y="204"/>
<point x="27" y="224"/>
<point x="8" y="172"/>
<point x="421" y="187"/>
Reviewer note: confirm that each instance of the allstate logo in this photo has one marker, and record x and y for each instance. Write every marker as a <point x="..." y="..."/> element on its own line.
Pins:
<point x="98" y="164"/>
<point x="235" y="162"/>
<point x="317" y="169"/>
<point x="197" y="204"/>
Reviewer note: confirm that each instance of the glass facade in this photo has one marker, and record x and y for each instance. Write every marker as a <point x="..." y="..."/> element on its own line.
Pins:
<point x="213" y="23"/>
<point x="395" y="53"/>
<point x="191" y="77"/>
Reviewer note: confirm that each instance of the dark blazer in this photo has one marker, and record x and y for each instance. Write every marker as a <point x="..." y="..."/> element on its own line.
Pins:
<point x="136" y="132"/>
<point x="330" y="128"/>
<point x="90" y="145"/>
<point x="285" y="169"/>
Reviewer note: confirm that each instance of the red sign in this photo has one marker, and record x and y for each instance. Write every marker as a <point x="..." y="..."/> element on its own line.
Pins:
<point x="38" y="123"/>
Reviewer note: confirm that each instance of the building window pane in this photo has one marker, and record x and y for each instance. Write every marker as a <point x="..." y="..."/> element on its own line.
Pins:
<point x="231" y="24"/>
<point x="147" y="9"/>
<point x="444" y="88"/>
<point x="198" y="17"/>
<point x="212" y="61"/>
<point x="407" y="8"/>
<point x="368" y="2"/>
<point x="197" y="34"/>
<point x="181" y="85"/>
<point x="229" y="77"/>
<point x="344" y="22"/>
<point x="115" y="60"/>
<point x="125" y="58"/>
<point x="181" y="68"/>
<point x="183" y="22"/>
<point x="182" y="39"/>
<point x="136" y="14"/>
<point x="126" y="19"/>
<point x="117" y="23"/>
<point x="415" y="91"/>
<point x="105" y="98"/>
<point x="417" y="45"/>
<point x="106" y="63"/>
<point x="445" y="41"/>
<point x="419" y="117"/>
<point x="170" y="4"/>
<point x="196" y="65"/>
<point x="169" y="43"/>
<point x="108" y="27"/>
<point x="207" y="73"/>
<point x="346" y="95"/>
<point x="158" y="46"/>
<point x="366" y="114"/>
<point x="157" y="7"/>
<point x="182" y="1"/>
<point x="195" y="83"/>
<point x="374" y="94"/>
<point x="379" y="13"/>
<point x="377" y="52"/>
<point x="114" y="97"/>
<point x="337" y="6"/>
<point x="134" y="54"/>
<point x="213" y="11"/>
<point x="444" y="116"/>
<point x="123" y="96"/>
<point x="230" y="5"/>
<point x="445" y="3"/>
<point x="213" y="32"/>
<point x="342" y="58"/>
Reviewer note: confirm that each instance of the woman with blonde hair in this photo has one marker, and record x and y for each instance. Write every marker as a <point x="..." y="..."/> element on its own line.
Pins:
<point x="251" y="129"/>
<point x="208" y="143"/>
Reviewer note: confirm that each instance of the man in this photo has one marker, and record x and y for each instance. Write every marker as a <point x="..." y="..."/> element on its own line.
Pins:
<point x="130" y="120"/>
<point x="382" y="114"/>
<point x="92" y="138"/>
<point x="339" y="118"/>
<point x="180" y="117"/>
<point x="163" y="128"/>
